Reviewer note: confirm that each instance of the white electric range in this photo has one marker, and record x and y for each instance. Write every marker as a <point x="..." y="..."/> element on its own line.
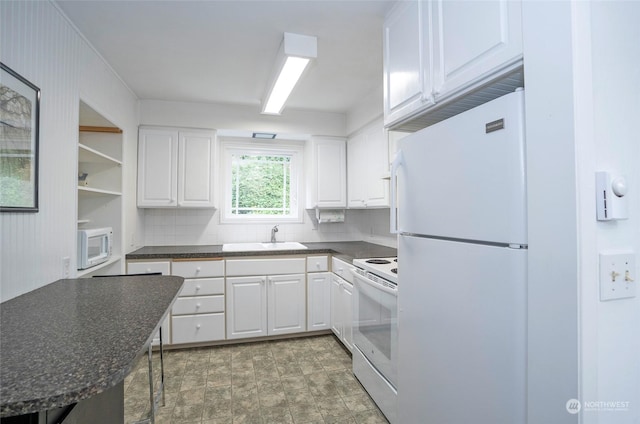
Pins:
<point x="375" y="330"/>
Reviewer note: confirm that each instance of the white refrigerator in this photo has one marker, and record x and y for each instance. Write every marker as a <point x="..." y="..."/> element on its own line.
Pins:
<point x="462" y="268"/>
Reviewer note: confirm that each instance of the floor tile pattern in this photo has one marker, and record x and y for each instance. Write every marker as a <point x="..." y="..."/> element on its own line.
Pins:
<point x="303" y="380"/>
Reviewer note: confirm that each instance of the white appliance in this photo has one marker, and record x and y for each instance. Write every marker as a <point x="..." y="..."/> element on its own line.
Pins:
<point x="375" y="331"/>
<point x="94" y="246"/>
<point x="461" y="220"/>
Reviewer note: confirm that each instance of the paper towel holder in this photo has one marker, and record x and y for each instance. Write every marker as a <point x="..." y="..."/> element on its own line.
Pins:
<point x="329" y="215"/>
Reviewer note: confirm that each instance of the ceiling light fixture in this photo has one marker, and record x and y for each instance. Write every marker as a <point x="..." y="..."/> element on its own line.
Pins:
<point x="294" y="55"/>
<point x="268" y="136"/>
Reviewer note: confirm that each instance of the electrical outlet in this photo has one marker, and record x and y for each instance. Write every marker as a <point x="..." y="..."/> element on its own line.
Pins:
<point x="66" y="267"/>
<point x="617" y="276"/>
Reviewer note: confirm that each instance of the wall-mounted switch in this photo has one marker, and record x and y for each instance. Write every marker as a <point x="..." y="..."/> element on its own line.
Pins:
<point x="617" y="276"/>
<point x="611" y="196"/>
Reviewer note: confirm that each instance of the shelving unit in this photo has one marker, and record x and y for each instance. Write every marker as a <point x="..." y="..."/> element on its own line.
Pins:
<point x="100" y="202"/>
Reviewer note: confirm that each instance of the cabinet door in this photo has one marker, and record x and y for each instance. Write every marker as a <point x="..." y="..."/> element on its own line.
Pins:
<point x="318" y="301"/>
<point x="407" y="60"/>
<point x="377" y="167"/>
<point x="157" y="168"/>
<point x="336" y="306"/>
<point x="331" y="157"/>
<point x="475" y="39"/>
<point x="286" y="306"/>
<point x="195" y="169"/>
<point x="356" y="168"/>
<point x="246" y="307"/>
<point x="347" y="311"/>
<point x="368" y="165"/>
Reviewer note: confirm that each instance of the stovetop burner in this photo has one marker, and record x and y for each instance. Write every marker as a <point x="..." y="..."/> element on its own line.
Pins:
<point x="378" y="261"/>
<point x="386" y="268"/>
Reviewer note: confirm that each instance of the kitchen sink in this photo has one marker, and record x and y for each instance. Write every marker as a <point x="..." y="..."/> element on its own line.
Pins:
<point x="248" y="247"/>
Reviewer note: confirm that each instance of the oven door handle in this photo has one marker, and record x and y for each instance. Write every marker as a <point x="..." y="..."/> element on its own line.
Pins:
<point x="373" y="284"/>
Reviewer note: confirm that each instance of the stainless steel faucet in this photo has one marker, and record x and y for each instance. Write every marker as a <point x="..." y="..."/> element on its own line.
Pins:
<point x="274" y="230"/>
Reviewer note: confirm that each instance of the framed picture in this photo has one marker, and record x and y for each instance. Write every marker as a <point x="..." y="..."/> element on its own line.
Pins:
<point x="19" y="122"/>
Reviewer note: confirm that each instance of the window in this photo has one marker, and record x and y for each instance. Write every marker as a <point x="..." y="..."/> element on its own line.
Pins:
<point x="261" y="182"/>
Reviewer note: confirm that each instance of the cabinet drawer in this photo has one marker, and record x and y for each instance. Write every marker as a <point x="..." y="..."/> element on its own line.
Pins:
<point x="197" y="328"/>
<point x="198" y="305"/>
<point x="202" y="287"/>
<point x="317" y="263"/>
<point x="273" y="266"/>
<point x="150" y="267"/>
<point x="198" y="269"/>
<point x="341" y="268"/>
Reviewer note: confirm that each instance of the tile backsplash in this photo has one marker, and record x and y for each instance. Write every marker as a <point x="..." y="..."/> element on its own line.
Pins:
<point x="202" y="226"/>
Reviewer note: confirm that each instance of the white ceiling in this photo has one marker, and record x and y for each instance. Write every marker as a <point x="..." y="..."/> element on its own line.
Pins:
<point x="223" y="51"/>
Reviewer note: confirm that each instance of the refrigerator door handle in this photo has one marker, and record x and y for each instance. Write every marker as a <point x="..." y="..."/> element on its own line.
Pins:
<point x="398" y="161"/>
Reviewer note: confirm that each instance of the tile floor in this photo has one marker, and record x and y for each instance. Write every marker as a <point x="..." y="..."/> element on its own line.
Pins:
<point x="304" y="380"/>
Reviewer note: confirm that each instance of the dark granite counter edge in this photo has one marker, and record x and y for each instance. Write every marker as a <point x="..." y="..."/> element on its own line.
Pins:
<point x="108" y="381"/>
<point x="346" y="251"/>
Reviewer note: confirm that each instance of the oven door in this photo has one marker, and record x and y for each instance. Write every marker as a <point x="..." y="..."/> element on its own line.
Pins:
<point x="375" y="326"/>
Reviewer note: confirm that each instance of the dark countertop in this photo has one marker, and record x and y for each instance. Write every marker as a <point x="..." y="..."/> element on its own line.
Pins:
<point x="73" y="339"/>
<point x="345" y="250"/>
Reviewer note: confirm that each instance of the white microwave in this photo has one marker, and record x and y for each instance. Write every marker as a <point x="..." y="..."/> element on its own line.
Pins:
<point x="94" y="246"/>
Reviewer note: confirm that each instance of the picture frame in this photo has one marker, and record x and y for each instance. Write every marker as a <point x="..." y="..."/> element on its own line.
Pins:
<point x="19" y="140"/>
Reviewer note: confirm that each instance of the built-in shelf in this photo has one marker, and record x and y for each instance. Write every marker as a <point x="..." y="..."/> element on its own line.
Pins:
<point x="100" y="199"/>
<point x="85" y="272"/>
<point x="82" y="190"/>
<point x="87" y="154"/>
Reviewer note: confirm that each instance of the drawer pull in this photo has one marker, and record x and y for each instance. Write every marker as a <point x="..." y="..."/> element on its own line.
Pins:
<point x="198" y="269"/>
<point x="198" y="287"/>
<point x="148" y="270"/>
<point x="197" y="326"/>
<point x="197" y="306"/>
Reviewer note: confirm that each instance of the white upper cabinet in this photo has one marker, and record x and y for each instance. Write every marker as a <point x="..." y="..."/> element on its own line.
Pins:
<point x="196" y="153"/>
<point x="326" y="159"/>
<point x="475" y="39"/>
<point x="368" y="167"/>
<point x="157" y="168"/>
<point x="406" y="53"/>
<point x="175" y="168"/>
<point x="436" y="51"/>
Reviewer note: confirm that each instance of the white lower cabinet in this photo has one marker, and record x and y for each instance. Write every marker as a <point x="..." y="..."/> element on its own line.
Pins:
<point x="286" y="304"/>
<point x="198" y="328"/>
<point x="199" y="318"/>
<point x="318" y="301"/>
<point x="265" y="305"/>
<point x="152" y="267"/>
<point x="198" y="315"/>
<point x="247" y="310"/>
<point x="342" y="310"/>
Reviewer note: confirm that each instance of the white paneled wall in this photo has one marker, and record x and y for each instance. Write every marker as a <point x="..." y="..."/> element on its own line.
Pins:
<point x="37" y="42"/>
<point x="198" y="227"/>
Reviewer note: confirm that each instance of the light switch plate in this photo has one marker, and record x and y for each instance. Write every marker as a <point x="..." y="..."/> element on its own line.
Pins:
<point x="617" y="276"/>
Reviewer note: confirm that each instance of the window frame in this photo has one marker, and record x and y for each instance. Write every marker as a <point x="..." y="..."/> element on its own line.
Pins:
<point x="231" y="146"/>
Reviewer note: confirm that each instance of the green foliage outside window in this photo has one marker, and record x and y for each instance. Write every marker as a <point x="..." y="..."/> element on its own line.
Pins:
<point x="260" y="185"/>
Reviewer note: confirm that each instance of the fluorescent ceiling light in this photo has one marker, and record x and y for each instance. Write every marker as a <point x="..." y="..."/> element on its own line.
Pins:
<point x="289" y="76"/>
<point x="296" y="51"/>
